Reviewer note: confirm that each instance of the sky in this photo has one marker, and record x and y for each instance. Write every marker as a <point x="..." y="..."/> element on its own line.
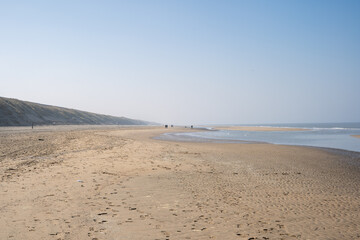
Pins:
<point x="186" y="61"/>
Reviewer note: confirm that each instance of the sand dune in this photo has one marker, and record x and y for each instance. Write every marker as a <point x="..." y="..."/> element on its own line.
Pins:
<point x="14" y="112"/>
<point x="118" y="183"/>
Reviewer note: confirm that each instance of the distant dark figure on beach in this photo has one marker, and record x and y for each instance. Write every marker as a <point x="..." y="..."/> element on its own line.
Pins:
<point x="166" y="126"/>
<point x="192" y="126"/>
<point x="172" y="125"/>
<point x="32" y="125"/>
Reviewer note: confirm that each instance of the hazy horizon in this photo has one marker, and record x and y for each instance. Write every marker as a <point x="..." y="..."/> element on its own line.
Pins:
<point x="186" y="62"/>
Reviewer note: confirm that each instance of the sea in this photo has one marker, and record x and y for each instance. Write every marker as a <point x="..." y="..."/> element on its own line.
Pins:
<point x="325" y="135"/>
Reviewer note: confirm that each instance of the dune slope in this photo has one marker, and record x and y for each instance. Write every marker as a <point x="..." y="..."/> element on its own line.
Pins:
<point x="14" y="112"/>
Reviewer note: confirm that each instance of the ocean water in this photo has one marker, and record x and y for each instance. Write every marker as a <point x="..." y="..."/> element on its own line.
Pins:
<point x="328" y="135"/>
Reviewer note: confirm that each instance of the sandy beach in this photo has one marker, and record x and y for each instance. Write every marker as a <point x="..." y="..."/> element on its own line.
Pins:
<point x="119" y="183"/>
<point x="264" y="129"/>
<point x="357" y="136"/>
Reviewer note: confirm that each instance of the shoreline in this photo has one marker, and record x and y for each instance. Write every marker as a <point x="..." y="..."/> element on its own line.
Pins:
<point x="182" y="138"/>
<point x="260" y="129"/>
<point x="120" y="183"/>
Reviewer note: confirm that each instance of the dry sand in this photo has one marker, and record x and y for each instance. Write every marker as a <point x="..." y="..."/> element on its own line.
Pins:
<point x="257" y="129"/>
<point x="118" y="183"/>
<point x="357" y="136"/>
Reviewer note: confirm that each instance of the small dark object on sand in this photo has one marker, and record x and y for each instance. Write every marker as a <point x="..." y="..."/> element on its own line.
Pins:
<point x="166" y="126"/>
<point x="41" y="139"/>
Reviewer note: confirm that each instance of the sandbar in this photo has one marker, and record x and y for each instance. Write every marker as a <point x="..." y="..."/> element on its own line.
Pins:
<point x="258" y="129"/>
<point x="357" y="136"/>
<point x="119" y="183"/>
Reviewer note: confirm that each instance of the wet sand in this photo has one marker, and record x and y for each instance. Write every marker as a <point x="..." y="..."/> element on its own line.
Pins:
<point x="357" y="136"/>
<point x="257" y="129"/>
<point x="119" y="183"/>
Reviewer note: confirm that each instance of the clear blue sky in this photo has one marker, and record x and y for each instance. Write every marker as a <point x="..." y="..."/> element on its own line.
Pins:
<point x="186" y="62"/>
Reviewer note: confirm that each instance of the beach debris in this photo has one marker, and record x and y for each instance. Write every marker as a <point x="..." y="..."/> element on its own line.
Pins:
<point x="41" y="139"/>
<point x="80" y="181"/>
